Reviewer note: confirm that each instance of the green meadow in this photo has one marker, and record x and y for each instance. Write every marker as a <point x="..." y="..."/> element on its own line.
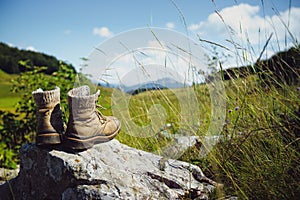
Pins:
<point x="8" y="99"/>
<point x="258" y="155"/>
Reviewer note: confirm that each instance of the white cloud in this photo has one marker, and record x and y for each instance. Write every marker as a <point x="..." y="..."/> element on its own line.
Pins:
<point x="278" y="23"/>
<point x="239" y="18"/>
<point x="242" y="24"/>
<point x="31" y="48"/>
<point x="102" y="31"/>
<point x="148" y="64"/>
<point x="170" y="25"/>
<point x="156" y="44"/>
<point x="11" y="45"/>
<point x="195" y="27"/>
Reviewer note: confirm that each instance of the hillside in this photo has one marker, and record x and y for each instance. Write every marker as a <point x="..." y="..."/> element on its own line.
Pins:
<point x="257" y="157"/>
<point x="285" y="66"/>
<point x="4" y="77"/>
<point x="7" y="98"/>
<point x="10" y="57"/>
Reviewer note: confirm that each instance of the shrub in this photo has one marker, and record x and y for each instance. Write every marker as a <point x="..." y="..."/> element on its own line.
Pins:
<point x="18" y="128"/>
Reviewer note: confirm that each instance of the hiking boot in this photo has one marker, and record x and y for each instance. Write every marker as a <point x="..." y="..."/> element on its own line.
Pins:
<point x="49" y="116"/>
<point x="86" y="125"/>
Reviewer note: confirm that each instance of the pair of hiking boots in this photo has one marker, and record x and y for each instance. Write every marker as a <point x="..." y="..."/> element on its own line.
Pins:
<point x="86" y="125"/>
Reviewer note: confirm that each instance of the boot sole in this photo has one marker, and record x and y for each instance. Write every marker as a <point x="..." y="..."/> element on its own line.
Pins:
<point x="48" y="138"/>
<point x="77" y="144"/>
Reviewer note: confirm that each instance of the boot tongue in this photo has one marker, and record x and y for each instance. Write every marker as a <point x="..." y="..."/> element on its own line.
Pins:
<point x="83" y="91"/>
<point x="79" y="92"/>
<point x="49" y="98"/>
<point x="81" y="98"/>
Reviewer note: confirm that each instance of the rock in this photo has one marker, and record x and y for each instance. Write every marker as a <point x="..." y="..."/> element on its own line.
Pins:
<point x="7" y="174"/>
<point x="178" y="144"/>
<point x="107" y="171"/>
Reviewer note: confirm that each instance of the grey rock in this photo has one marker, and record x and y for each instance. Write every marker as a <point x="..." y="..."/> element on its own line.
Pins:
<point x="107" y="171"/>
<point x="178" y="144"/>
<point x="7" y="174"/>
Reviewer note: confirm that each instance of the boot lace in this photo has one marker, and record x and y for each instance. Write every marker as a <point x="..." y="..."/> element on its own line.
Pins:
<point x="101" y="117"/>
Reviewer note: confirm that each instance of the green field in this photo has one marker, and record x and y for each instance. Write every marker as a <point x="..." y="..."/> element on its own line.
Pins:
<point x="8" y="99"/>
<point x="258" y="155"/>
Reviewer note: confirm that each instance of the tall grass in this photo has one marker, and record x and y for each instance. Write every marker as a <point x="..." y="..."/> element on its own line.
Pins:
<point x="258" y="156"/>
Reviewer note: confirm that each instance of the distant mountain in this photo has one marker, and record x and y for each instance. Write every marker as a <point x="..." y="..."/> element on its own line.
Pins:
<point x="170" y="83"/>
<point x="145" y="87"/>
<point x="160" y="84"/>
<point x="10" y="57"/>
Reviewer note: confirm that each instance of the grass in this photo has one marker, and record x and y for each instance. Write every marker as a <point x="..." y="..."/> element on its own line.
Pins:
<point x="258" y="157"/>
<point x="8" y="99"/>
<point x="139" y="107"/>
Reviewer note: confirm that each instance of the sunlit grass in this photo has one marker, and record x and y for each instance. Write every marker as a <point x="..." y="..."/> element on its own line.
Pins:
<point x="8" y="99"/>
<point x="259" y="153"/>
<point x="258" y="156"/>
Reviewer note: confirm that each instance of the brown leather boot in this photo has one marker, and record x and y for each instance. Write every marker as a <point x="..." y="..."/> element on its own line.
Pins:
<point x="86" y="125"/>
<point x="49" y="116"/>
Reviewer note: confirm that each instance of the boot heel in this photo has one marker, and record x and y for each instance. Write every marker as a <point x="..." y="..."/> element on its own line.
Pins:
<point x="48" y="138"/>
<point x="49" y="116"/>
<point x="74" y="144"/>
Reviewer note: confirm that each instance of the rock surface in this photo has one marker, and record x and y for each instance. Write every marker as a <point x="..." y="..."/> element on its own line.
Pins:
<point x="7" y="174"/>
<point x="107" y="171"/>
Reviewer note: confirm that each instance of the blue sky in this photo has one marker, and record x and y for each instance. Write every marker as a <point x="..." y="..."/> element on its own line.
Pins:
<point x="70" y="30"/>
